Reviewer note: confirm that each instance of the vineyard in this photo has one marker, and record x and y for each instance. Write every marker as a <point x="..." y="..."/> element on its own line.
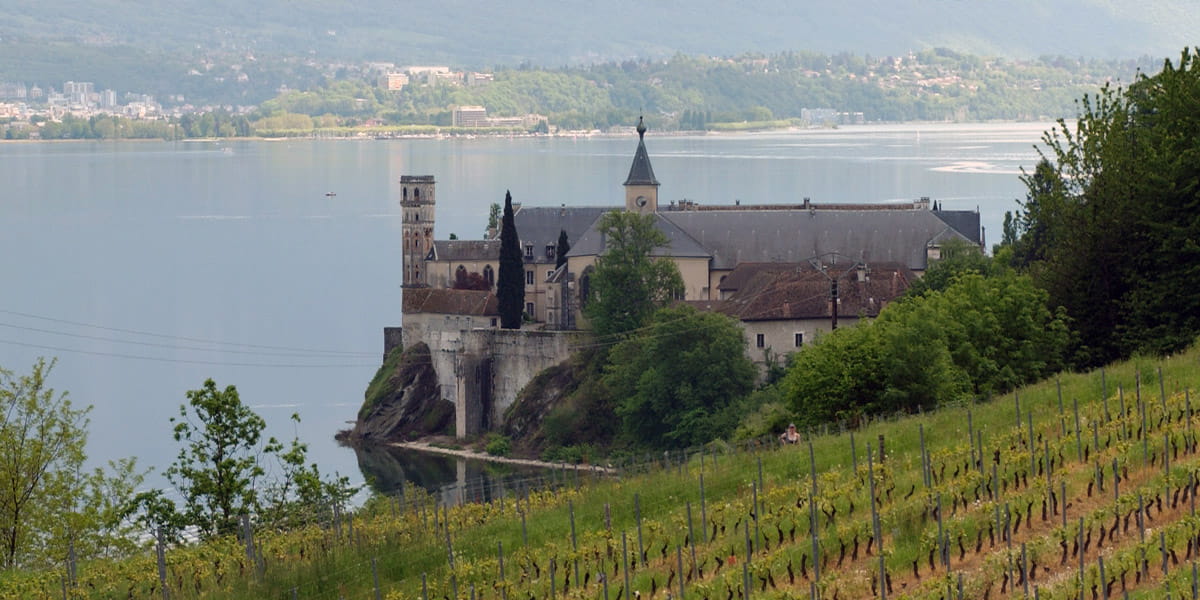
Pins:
<point x="1079" y="487"/>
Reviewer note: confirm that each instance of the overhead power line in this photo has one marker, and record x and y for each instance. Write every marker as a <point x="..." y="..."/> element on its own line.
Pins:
<point x="346" y="353"/>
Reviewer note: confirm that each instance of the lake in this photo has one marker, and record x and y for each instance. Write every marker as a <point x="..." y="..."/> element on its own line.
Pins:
<point x="148" y="267"/>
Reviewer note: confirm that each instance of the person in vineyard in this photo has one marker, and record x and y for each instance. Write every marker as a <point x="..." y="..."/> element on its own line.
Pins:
<point x="791" y="436"/>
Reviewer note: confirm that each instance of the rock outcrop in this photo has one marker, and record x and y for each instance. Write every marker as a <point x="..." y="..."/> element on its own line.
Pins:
<point x="403" y="400"/>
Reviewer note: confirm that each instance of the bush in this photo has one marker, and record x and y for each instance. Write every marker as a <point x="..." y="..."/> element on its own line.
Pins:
<point x="498" y="445"/>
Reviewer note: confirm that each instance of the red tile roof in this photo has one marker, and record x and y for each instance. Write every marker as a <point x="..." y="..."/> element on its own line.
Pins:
<point x="450" y="302"/>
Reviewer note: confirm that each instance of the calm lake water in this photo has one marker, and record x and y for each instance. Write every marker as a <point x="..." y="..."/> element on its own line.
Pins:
<point x="147" y="267"/>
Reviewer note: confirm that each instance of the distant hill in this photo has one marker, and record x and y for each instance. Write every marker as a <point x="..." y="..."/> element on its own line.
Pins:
<point x="479" y="33"/>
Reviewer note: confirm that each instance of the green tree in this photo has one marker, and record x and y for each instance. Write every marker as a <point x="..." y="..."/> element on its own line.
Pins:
<point x="628" y="283"/>
<point x="302" y="494"/>
<point x="1113" y="216"/>
<point x="510" y="287"/>
<point x="564" y="246"/>
<point x="218" y="466"/>
<point x="42" y="442"/>
<point x="957" y="257"/>
<point x="677" y="381"/>
<point x="494" y="212"/>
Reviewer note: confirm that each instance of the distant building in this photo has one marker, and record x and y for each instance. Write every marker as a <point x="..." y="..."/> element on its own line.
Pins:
<point x="393" y="81"/>
<point x="473" y="78"/>
<point x="819" y="116"/>
<point x="469" y="116"/>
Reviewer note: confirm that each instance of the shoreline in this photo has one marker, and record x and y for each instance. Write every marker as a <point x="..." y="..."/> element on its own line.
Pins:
<point x="368" y="135"/>
<point x="473" y="455"/>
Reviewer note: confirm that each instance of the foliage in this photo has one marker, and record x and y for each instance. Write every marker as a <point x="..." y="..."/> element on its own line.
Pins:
<point x="629" y="284"/>
<point x="470" y="281"/>
<point x="676" y="381"/>
<point x="957" y="257"/>
<point x="494" y="212"/>
<point x="510" y="286"/>
<point x="498" y="445"/>
<point x="218" y="466"/>
<point x="48" y="503"/>
<point x="560" y="253"/>
<point x="301" y="493"/>
<point x="42" y="440"/>
<point x="978" y="336"/>
<point x="1109" y="227"/>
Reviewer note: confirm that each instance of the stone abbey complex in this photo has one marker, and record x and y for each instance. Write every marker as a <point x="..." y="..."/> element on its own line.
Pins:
<point x="785" y="272"/>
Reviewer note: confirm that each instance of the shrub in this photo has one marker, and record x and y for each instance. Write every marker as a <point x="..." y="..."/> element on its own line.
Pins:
<point x="498" y="445"/>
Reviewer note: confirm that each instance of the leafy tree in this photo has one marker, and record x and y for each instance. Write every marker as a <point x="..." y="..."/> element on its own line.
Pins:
<point x="676" y="382"/>
<point x="978" y="336"/>
<point x="302" y="493"/>
<point x="42" y="442"/>
<point x="1111" y="223"/>
<point x="470" y="281"/>
<point x="510" y="288"/>
<point x="494" y="212"/>
<point x="629" y="284"/>
<point x="564" y="246"/>
<point x="218" y="466"/>
<point x="958" y="257"/>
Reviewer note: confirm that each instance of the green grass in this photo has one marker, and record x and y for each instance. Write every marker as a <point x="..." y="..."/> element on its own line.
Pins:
<point x="403" y="544"/>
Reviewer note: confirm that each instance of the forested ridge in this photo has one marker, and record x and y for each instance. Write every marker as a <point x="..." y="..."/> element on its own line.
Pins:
<point x="696" y="92"/>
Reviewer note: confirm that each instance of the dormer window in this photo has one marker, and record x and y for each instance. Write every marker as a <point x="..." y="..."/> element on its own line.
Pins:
<point x="550" y="250"/>
<point x="529" y="251"/>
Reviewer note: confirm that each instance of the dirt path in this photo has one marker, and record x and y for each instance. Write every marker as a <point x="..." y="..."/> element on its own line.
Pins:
<point x="473" y="455"/>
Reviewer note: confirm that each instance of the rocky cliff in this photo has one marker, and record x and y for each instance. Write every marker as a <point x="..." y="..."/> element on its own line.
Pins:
<point x="403" y="400"/>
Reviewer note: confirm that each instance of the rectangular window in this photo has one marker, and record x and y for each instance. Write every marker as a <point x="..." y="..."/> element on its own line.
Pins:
<point x="550" y="249"/>
<point x="528" y="277"/>
<point x="799" y="339"/>
<point x="549" y="274"/>
<point x="529" y="309"/>
<point x="493" y="321"/>
<point x="529" y="251"/>
<point x="760" y="340"/>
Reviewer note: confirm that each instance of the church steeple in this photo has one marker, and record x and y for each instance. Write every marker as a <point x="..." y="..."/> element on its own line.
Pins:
<point x="641" y="188"/>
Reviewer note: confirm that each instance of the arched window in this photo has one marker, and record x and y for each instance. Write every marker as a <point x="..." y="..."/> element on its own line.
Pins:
<point x="404" y="194"/>
<point x="416" y="194"/>
<point x="489" y="275"/>
<point x="585" y="286"/>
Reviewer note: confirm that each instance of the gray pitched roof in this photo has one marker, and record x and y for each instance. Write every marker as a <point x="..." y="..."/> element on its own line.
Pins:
<point x="680" y="244"/>
<point x="640" y="172"/>
<point x="965" y="222"/>
<point x="794" y="235"/>
<point x="466" y="250"/>
<point x="540" y="226"/>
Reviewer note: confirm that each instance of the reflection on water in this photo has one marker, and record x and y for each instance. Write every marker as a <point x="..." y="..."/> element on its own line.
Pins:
<point x="390" y="470"/>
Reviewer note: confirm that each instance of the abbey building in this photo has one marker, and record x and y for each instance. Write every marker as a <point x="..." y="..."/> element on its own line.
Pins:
<point x="785" y="272"/>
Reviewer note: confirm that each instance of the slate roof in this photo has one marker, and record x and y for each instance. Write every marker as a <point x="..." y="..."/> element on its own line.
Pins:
<point x="680" y="244"/>
<point x="734" y="237"/>
<point x="767" y="292"/>
<point x="640" y="172"/>
<point x="465" y="250"/>
<point x="965" y="222"/>
<point x="538" y="226"/>
<point x="450" y="302"/>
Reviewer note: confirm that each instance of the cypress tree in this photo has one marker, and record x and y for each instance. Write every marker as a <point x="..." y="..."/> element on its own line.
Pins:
<point x="563" y="248"/>
<point x="510" y="288"/>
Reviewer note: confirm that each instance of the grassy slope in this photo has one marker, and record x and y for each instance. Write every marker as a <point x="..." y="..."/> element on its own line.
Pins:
<point x="321" y="564"/>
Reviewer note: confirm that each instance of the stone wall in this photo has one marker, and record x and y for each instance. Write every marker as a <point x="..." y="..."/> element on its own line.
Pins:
<point x="481" y="370"/>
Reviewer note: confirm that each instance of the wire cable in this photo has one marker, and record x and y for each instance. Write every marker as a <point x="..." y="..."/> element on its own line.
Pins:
<point x="184" y="338"/>
<point x="187" y="361"/>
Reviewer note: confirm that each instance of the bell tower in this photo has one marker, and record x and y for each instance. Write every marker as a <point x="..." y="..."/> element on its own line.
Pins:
<point x="416" y="203"/>
<point x="641" y="188"/>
